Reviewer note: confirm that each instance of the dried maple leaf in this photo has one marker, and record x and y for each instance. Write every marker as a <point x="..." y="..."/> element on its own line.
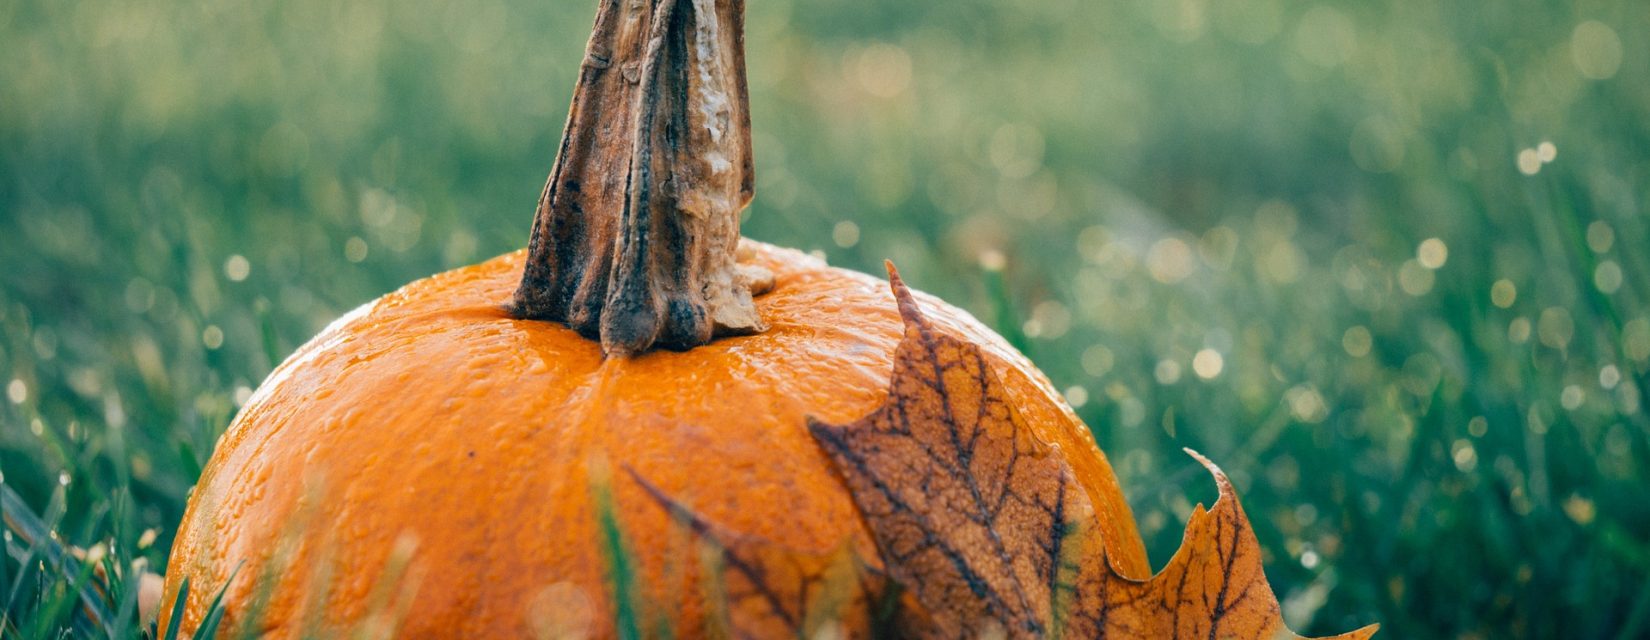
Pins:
<point x="988" y="529"/>
<point x="1213" y="587"/>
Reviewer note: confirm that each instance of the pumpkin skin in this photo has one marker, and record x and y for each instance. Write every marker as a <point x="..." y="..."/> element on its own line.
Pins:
<point x="430" y="435"/>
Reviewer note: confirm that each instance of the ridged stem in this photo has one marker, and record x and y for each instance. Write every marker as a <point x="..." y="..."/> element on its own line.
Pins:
<point x="635" y="239"/>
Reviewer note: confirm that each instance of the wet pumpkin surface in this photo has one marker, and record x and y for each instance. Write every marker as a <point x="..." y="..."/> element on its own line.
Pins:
<point x="427" y="459"/>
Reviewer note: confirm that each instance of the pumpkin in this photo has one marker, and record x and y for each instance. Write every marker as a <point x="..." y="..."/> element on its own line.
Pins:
<point x="436" y="462"/>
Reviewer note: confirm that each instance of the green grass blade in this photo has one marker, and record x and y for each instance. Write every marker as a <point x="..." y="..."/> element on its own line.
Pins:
<point x="214" y="613"/>
<point x="1005" y="316"/>
<point x="188" y="461"/>
<point x="126" y="605"/>
<point x="178" y="603"/>
<point x="270" y="337"/>
<point x="24" y="524"/>
<point x="621" y="571"/>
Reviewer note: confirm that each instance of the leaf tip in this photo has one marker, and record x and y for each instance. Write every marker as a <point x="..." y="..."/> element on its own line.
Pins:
<point x="820" y="428"/>
<point x="1361" y="634"/>
<point x="1221" y="481"/>
<point x="832" y="438"/>
<point x="908" y="310"/>
<point x="649" y="487"/>
<point x="678" y="511"/>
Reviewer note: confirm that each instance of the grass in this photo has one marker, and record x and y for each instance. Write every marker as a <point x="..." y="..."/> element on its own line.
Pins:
<point x="1384" y="261"/>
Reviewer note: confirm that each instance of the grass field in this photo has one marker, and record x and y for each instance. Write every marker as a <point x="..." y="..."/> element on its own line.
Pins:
<point x="1387" y="262"/>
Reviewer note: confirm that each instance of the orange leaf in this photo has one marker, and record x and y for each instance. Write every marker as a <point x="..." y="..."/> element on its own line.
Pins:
<point x="987" y="528"/>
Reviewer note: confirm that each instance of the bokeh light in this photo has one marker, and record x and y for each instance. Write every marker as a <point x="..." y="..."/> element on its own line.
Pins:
<point x="1383" y="261"/>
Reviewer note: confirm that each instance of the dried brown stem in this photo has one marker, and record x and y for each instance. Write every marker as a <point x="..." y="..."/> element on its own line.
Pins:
<point x="635" y="236"/>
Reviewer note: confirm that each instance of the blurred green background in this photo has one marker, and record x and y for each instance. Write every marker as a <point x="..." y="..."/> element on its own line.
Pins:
<point x="1385" y="261"/>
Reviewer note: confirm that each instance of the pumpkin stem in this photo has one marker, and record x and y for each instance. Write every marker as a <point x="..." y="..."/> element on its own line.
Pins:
<point x="635" y="238"/>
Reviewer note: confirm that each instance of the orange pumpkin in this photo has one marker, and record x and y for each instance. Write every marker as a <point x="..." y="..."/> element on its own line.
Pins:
<point x="425" y="464"/>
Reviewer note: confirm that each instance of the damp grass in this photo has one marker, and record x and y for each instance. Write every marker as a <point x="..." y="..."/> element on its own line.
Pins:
<point x="1383" y="261"/>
